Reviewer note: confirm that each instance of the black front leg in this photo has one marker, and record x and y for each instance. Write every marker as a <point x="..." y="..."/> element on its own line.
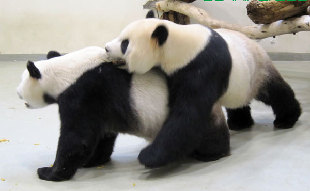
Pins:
<point x="75" y="147"/>
<point x="179" y="136"/>
<point x="103" y="152"/>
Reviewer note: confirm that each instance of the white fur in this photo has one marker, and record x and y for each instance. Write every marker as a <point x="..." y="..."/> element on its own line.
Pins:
<point x="57" y="74"/>
<point x="149" y="96"/>
<point x="249" y="69"/>
<point x="181" y="47"/>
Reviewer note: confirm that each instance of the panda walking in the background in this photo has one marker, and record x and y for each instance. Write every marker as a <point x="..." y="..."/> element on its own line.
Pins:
<point x="204" y="67"/>
<point x="97" y="101"/>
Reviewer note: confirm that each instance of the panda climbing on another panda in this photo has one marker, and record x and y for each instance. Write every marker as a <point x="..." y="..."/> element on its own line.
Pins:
<point x="204" y="67"/>
<point x="97" y="101"/>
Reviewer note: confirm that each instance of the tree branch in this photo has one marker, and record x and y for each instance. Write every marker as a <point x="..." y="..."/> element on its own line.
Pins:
<point x="259" y="31"/>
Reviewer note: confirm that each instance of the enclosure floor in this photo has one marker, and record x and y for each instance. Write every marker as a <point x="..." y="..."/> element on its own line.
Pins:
<point x="261" y="158"/>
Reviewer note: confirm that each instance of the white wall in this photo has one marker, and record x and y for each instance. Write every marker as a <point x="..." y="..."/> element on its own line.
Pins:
<point x="37" y="26"/>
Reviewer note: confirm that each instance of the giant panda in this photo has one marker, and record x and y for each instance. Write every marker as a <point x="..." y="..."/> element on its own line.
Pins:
<point x="97" y="101"/>
<point x="204" y="67"/>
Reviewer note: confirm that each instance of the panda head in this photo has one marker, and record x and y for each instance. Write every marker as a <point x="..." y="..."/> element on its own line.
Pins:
<point x="151" y="42"/>
<point x="30" y="89"/>
<point x="140" y="44"/>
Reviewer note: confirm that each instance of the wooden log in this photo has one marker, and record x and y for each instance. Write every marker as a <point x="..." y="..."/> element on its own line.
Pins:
<point x="260" y="31"/>
<point x="266" y="12"/>
<point x="176" y="17"/>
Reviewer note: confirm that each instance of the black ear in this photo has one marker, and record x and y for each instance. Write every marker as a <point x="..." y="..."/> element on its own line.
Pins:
<point x="160" y="34"/>
<point x="33" y="70"/>
<point x="150" y="14"/>
<point x="52" y="54"/>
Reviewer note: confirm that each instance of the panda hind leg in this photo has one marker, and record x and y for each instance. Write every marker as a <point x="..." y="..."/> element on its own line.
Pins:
<point x="280" y="96"/>
<point x="102" y="153"/>
<point x="215" y="143"/>
<point x="239" y="118"/>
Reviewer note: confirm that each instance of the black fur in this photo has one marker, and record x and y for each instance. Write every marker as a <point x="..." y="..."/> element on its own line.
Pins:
<point x="103" y="150"/>
<point x="52" y="54"/>
<point x="124" y="46"/>
<point x="91" y="112"/>
<point x="33" y="70"/>
<point x="160" y="34"/>
<point x="192" y="92"/>
<point x="150" y="14"/>
<point x="280" y="96"/>
<point x="239" y="118"/>
<point x="216" y="144"/>
<point x="49" y="99"/>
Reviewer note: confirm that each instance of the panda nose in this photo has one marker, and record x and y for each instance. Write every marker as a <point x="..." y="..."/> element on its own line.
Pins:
<point x="107" y="49"/>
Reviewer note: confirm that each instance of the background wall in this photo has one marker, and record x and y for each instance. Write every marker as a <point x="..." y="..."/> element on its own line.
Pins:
<point x="37" y="26"/>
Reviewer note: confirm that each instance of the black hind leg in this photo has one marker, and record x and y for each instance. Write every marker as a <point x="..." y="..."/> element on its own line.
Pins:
<point x="239" y="118"/>
<point x="280" y="96"/>
<point x="103" y="151"/>
<point x="215" y="143"/>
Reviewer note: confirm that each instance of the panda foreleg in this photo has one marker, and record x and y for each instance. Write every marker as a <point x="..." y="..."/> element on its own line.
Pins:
<point x="214" y="145"/>
<point x="239" y="118"/>
<point x="181" y="133"/>
<point x="103" y="151"/>
<point x="75" y="146"/>
<point x="280" y="96"/>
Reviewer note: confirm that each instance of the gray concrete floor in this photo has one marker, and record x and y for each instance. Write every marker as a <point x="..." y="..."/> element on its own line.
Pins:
<point x="261" y="159"/>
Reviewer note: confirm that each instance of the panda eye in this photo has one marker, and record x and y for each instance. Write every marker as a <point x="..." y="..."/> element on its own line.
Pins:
<point x="124" y="45"/>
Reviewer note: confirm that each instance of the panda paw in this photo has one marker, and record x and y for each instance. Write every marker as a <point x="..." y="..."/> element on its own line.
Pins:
<point x="238" y="125"/>
<point x="152" y="158"/>
<point x="51" y="174"/>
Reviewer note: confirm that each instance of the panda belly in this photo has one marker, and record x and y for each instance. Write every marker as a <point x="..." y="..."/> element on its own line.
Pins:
<point x="149" y="100"/>
<point x="245" y="76"/>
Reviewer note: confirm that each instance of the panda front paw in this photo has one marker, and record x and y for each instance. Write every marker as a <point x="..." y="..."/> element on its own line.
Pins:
<point x="52" y="174"/>
<point x="152" y="157"/>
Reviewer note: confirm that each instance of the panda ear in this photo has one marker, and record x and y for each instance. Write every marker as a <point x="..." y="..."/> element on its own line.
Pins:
<point x="33" y="70"/>
<point x="150" y="14"/>
<point x="160" y="34"/>
<point x="52" y="54"/>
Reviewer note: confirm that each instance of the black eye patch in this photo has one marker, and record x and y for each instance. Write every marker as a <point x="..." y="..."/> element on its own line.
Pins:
<point x="124" y="45"/>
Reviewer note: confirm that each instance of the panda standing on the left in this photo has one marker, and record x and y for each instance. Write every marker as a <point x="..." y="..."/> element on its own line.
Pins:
<point x="97" y="101"/>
